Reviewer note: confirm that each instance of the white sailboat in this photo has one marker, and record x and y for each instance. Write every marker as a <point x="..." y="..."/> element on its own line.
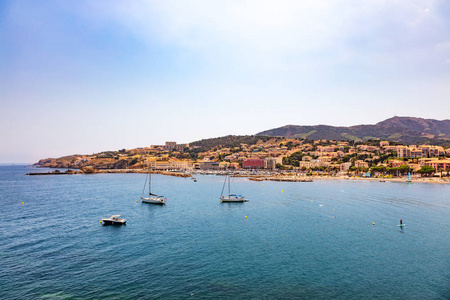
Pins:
<point x="231" y="197"/>
<point x="152" y="198"/>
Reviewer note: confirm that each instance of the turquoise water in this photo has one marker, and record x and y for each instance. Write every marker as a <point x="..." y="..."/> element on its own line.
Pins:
<point x="53" y="246"/>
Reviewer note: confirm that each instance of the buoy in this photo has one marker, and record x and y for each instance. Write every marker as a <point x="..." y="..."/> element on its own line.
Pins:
<point x="101" y="222"/>
<point x="246" y="217"/>
<point x="311" y="201"/>
<point x="373" y="223"/>
<point x="136" y="201"/>
<point x="333" y="209"/>
<point x="263" y="185"/>
<point x="22" y="202"/>
<point x="281" y="190"/>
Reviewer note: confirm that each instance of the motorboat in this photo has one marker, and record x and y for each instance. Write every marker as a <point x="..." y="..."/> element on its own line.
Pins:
<point x="113" y="220"/>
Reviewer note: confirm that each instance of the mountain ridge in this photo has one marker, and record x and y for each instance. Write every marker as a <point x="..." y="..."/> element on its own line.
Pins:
<point x="407" y="130"/>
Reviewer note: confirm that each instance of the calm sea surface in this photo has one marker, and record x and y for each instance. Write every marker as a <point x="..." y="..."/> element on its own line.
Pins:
<point x="290" y="246"/>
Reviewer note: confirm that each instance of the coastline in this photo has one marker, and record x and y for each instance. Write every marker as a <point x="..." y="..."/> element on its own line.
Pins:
<point x="109" y="171"/>
<point x="313" y="178"/>
<point x="252" y="177"/>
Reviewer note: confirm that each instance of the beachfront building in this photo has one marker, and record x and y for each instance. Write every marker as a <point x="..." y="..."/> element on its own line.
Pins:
<point x="209" y="165"/>
<point x="253" y="164"/>
<point x="437" y="164"/>
<point x="270" y="163"/>
<point x="180" y="164"/>
<point x="159" y="164"/>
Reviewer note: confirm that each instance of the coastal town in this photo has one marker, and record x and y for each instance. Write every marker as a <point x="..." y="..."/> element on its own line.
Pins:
<point x="272" y="155"/>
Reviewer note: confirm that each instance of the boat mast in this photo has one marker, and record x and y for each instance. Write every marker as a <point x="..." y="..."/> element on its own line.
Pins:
<point x="229" y="186"/>
<point x="149" y="182"/>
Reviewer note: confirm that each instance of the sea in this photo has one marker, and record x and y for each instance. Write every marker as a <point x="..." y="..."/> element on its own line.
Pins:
<point x="327" y="239"/>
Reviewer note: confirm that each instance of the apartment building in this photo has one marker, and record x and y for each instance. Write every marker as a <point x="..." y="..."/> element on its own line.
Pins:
<point x="421" y="151"/>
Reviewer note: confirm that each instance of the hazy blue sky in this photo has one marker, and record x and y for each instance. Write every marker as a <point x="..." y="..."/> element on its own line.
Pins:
<point x="86" y="76"/>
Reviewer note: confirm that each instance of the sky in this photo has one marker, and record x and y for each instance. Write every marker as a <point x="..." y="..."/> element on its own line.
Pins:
<point x="80" y="77"/>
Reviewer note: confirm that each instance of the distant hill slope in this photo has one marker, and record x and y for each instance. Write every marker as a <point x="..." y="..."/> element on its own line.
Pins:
<point x="406" y="130"/>
<point x="228" y="141"/>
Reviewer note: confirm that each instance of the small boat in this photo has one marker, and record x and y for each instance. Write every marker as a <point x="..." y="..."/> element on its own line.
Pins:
<point x="409" y="177"/>
<point x="152" y="198"/>
<point x="231" y="197"/>
<point x="113" y="220"/>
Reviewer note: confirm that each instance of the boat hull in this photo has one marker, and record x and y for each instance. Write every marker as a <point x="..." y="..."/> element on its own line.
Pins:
<point x="109" y="222"/>
<point x="233" y="200"/>
<point x="153" y="201"/>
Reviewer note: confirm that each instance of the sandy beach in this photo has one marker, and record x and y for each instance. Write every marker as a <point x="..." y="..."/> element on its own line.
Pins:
<point x="313" y="178"/>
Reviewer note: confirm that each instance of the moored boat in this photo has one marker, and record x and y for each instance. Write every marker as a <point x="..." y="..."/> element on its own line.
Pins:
<point x="152" y="198"/>
<point x="231" y="197"/>
<point x="113" y="220"/>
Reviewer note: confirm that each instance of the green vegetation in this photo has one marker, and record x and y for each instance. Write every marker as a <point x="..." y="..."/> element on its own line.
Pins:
<point x="305" y="135"/>
<point x="294" y="159"/>
<point x="229" y="141"/>
<point x="378" y="169"/>
<point x="426" y="170"/>
<point x="350" y="137"/>
<point x="394" y="136"/>
<point x="404" y="169"/>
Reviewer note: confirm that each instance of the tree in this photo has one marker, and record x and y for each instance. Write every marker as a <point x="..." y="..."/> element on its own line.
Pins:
<point x="392" y="171"/>
<point x="289" y="145"/>
<point x="293" y="159"/>
<point x="441" y="169"/>
<point x="379" y="169"/>
<point x="426" y="170"/>
<point x="403" y="169"/>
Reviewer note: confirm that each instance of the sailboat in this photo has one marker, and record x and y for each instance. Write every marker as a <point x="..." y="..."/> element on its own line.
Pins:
<point x="231" y="197"/>
<point x="152" y="198"/>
